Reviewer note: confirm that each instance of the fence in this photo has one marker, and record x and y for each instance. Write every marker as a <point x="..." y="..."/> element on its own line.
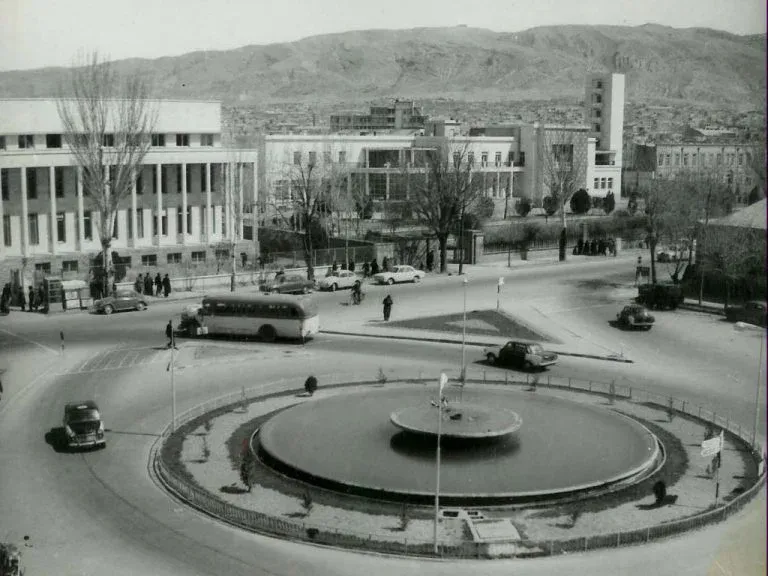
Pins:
<point x="324" y="257"/>
<point x="259" y="522"/>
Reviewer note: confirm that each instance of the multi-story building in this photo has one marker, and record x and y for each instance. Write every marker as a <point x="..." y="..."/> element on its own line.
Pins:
<point x="401" y="115"/>
<point x="177" y="211"/>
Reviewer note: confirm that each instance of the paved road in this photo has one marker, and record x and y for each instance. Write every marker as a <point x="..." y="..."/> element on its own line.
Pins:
<point x="100" y="512"/>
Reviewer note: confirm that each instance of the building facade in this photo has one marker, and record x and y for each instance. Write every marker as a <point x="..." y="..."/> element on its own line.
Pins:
<point x="178" y="209"/>
<point x="401" y="115"/>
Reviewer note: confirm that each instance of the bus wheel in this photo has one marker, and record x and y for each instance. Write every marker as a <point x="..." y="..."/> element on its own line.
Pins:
<point x="267" y="333"/>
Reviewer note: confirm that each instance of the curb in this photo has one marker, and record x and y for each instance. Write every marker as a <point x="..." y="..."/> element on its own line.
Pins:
<point x="612" y="358"/>
<point x="696" y="308"/>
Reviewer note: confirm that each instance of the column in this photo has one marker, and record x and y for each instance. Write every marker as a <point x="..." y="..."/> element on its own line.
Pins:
<point x="254" y="209"/>
<point x="53" y="231"/>
<point x="227" y="169"/>
<point x="184" y="230"/>
<point x="24" y="214"/>
<point x="240" y="215"/>
<point x="159" y="208"/>
<point x="386" y="186"/>
<point x="80" y="211"/>
<point x="208" y="207"/>
<point x="498" y="183"/>
<point x="134" y="220"/>
<point x="2" y="217"/>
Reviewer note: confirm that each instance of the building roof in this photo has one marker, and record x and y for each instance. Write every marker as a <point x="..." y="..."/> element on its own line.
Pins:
<point x="752" y="216"/>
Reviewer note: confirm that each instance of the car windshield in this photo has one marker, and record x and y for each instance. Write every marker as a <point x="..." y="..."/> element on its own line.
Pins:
<point x="87" y="415"/>
<point x="124" y="294"/>
<point x="536" y="349"/>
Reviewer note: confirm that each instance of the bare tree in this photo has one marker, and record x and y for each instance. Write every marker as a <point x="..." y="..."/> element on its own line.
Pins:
<point x="442" y="190"/>
<point x="108" y="121"/>
<point x="562" y="175"/>
<point x="230" y="187"/>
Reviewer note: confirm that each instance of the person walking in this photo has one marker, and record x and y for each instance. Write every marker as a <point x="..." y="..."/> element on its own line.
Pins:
<point x="366" y="269"/>
<point x="32" y="300"/>
<point x="1" y="389"/>
<point x="430" y="260"/>
<point x="374" y="267"/>
<point x="387" y="307"/>
<point x="139" y="284"/>
<point x="148" y="284"/>
<point x="158" y="285"/>
<point x="166" y="285"/>
<point x="169" y="335"/>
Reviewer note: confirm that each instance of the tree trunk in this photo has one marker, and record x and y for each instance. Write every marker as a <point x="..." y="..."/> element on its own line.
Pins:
<point x="308" y="251"/>
<point x="105" y="263"/>
<point x="233" y="280"/>
<point x="652" y="246"/>
<point x="442" y="242"/>
<point x="461" y="242"/>
<point x="506" y="206"/>
<point x="561" y="243"/>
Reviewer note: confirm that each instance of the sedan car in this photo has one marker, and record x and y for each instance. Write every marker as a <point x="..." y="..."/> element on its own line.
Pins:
<point x="288" y="284"/>
<point x="525" y="355"/>
<point x="634" y="316"/>
<point x="400" y="273"/>
<point x="339" y="279"/>
<point x="121" y="300"/>
<point x="82" y="425"/>
<point x="753" y="312"/>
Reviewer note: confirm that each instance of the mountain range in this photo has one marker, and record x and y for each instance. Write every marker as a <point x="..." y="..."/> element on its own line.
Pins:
<point x="471" y="64"/>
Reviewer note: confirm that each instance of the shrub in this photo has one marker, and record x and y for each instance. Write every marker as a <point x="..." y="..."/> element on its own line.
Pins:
<point x="550" y="205"/>
<point x="580" y="201"/>
<point x="310" y="385"/>
<point x="609" y="203"/>
<point x="484" y="208"/>
<point x="523" y="207"/>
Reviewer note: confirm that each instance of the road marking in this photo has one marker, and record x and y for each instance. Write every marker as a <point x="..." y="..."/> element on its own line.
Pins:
<point x="38" y="344"/>
<point x="109" y="360"/>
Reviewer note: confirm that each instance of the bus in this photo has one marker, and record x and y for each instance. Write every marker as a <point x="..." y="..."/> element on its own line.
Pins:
<point x="265" y="316"/>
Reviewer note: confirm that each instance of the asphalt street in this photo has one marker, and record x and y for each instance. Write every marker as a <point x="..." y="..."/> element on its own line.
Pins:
<point x="100" y="512"/>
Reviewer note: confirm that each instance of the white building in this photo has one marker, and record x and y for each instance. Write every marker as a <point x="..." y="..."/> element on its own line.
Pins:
<point x="49" y="220"/>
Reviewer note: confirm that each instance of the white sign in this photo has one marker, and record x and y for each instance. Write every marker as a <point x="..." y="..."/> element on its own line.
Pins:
<point x="501" y="281"/>
<point x="712" y="446"/>
<point x="443" y="380"/>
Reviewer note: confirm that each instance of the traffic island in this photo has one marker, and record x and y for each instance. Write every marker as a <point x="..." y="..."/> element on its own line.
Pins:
<point x="300" y="507"/>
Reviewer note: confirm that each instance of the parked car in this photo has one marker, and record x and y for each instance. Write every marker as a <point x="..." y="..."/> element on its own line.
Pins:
<point x="635" y="316"/>
<point x="288" y="284"/>
<point x="753" y="312"/>
<point x="82" y="425"/>
<point x="402" y="273"/>
<point x="340" y="279"/>
<point x="661" y="295"/>
<point x="525" y="355"/>
<point x="123" y="299"/>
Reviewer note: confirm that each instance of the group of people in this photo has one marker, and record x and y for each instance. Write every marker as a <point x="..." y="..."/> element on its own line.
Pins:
<point x="162" y="285"/>
<point x="594" y="247"/>
<point x="35" y="300"/>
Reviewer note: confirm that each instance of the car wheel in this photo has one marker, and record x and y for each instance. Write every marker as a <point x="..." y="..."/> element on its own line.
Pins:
<point x="141" y="306"/>
<point x="491" y="359"/>
<point x="527" y="365"/>
<point x="334" y="287"/>
<point x="305" y="290"/>
<point x="391" y="281"/>
<point x="647" y="328"/>
<point x="108" y="309"/>
<point x="416" y="279"/>
<point x="267" y="333"/>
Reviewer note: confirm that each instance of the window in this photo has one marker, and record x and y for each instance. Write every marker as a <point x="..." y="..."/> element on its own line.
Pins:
<point x="140" y="182"/>
<point x="342" y="157"/>
<point x="677" y="159"/>
<point x="69" y="266"/>
<point x="661" y="159"/>
<point x="163" y="173"/>
<point x="213" y="219"/>
<point x="597" y="113"/>
<point x="685" y="159"/>
<point x="53" y="140"/>
<point x="174" y="258"/>
<point x="597" y="98"/>
<point x="497" y="159"/>
<point x="178" y="219"/>
<point x="668" y="159"/>
<point x="4" y="184"/>
<point x="164" y="223"/>
<point x="198" y="257"/>
<point x="693" y="159"/>
<point x="297" y="158"/>
<point x="2" y="142"/>
<point x="149" y="260"/>
<point x="182" y="139"/>
<point x="178" y="179"/>
<point x="522" y="159"/>
<point x="189" y="220"/>
<point x="470" y="159"/>
<point x="597" y="183"/>
<point x="597" y="84"/>
<point x="188" y="177"/>
<point x="719" y="159"/>
<point x="7" y="230"/>
<point x="109" y="140"/>
<point x="34" y="233"/>
<point x="26" y="141"/>
<point x="158" y="140"/>
<point x="88" y="225"/>
<point x="31" y="183"/>
<point x="327" y="157"/>
<point x="206" y="139"/>
<point x="484" y="159"/>
<point x="610" y="183"/>
<point x="61" y="227"/>
<point x="139" y="223"/>
<point x="602" y="183"/>
<point x="596" y="127"/>
<point x="58" y="174"/>
<point x="203" y="169"/>
<point x="44" y="267"/>
<point x="312" y="158"/>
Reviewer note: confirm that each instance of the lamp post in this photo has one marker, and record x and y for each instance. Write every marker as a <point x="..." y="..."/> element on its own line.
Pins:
<point x="464" y="334"/>
<point x="443" y="382"/>
<point x="173" y="384"/>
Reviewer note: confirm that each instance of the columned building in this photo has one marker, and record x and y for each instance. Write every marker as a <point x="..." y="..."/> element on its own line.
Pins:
<point x="179" y="209"/>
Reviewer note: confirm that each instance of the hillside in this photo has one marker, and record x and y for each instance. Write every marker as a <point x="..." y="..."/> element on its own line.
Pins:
<point x="692" y="64"/>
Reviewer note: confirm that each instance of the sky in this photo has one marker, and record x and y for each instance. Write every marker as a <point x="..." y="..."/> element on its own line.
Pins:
<point x="39" y="33"/>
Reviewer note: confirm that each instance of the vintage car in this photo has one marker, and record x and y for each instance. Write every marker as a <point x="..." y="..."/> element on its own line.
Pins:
<point x="661" y="295"/>
<point x="123" y="299"/>
<point x="402" y="273"/>
<point x="525" y="355"/>
<point x="753" y="312"/>
<point x="10" y="560"/>
<point x="82" y="425"/>
<point x="635" y="316"/>
<point x="288" y="284"/>
<point x="339" y="279"/>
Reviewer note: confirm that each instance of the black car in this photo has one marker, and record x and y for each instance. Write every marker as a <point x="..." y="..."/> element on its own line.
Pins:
<point x="82" y="425"/>
<point x="635" y="316"/>
<point x="753" y="312"/>
<point x="662" y="295"/>
<point x="525" y="355"/>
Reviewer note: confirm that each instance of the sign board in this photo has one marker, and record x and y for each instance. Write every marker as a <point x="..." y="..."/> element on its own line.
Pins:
<point x="443" y="380"/>
<point x="712" y="446"/>
<point x="501" y="281"/>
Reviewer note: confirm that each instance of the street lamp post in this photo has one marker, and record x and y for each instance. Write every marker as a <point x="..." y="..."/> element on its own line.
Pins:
<point x="443" y="381"/>
<point x="464" y="339"/>
<point x="173" y="385"/>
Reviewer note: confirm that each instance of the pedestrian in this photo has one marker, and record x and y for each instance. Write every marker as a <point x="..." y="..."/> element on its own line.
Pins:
<point x="351" y="265"/>
<point x="148" y="285"/>
<point x="366" y="269"/>
<point x="387" y="307"/>
<point x="1" y="389"/>
<point x="580" y="246"/>
<point x="430" y="260"/>
<point x="593" y="248"/>
<point x="32" y="300"/>
<point x="601" y="247"/>
<point x="158" y="285"/>
<point x="385" y="264"/>
<point x="169" y="334"/>
<point x="139" y="284"/>
<point x="166" y="285"/>
<point x="374" y="267"/>
<point x="334" y="268"/>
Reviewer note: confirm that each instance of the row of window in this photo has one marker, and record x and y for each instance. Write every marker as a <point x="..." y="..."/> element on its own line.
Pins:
<point x="603" y="184"/>
<point x="342" y="157"/>
<point x="702" y="159"/>
<point x="171" y="258"/>
<point x="55" y="140"/>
